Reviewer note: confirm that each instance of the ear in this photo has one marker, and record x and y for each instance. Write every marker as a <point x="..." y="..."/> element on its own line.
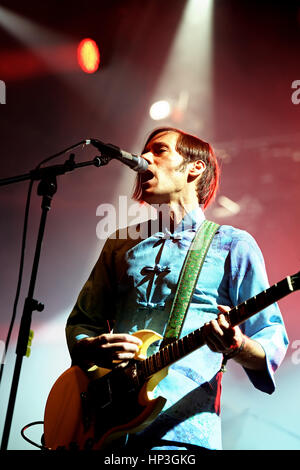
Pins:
<point x="196" y="168"/>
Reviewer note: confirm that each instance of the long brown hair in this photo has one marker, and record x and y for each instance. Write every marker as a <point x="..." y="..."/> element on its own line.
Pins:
<point x="191" y="148"/>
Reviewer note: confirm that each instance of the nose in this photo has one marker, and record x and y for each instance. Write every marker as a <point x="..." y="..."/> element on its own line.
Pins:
<point x="148" y="156"/>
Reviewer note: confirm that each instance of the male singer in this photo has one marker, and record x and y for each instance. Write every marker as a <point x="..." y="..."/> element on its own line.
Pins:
<point x="133" y="284"/>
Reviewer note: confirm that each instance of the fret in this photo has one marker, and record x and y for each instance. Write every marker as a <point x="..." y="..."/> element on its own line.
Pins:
<point x="150" y="364"/>
<point x="158" y="361"/>
<point x="148" y="360"/>
<point x="251" y="304"/>
<point x="162" y="358"/>
<point x="154" y="362"/>
<point x="263" y="299"/>
<point x="146" y="368"/>
<point x="176" y="350"/>
<point x="260" y="299"/>
<point x="181" y="347"/>
<point x="198" y="335"/>
<point x="185" y="342"/>
<point x="166" y="355"/>
<point x="284" y="287"/>
<point x="191" y="341"/>
<point x="194" y="340"/>
<point x="153" y="365"/>
<point x="171" y="352"/>
<point x="141" y="371"/>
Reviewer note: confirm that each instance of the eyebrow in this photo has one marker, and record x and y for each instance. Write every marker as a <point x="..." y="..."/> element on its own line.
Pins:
<point x="156" y="144"/>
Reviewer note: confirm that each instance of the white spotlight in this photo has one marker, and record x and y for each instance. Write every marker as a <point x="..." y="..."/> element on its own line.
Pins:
<point x="160" y="110"/>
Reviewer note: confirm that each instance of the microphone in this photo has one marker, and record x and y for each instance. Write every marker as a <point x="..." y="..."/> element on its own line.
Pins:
<point x="134" y="162"/>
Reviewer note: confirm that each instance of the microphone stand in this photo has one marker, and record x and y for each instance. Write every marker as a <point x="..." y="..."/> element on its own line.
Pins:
<point x="46" y="188"/>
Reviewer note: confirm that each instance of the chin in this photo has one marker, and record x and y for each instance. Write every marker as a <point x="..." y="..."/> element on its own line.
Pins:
<point x="155" y="198"/>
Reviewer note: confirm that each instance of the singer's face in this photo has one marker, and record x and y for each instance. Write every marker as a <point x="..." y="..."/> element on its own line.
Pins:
<point x="166" y="178"/>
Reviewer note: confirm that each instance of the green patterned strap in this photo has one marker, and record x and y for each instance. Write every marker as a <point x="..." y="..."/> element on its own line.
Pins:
<point x="188" y="278"/>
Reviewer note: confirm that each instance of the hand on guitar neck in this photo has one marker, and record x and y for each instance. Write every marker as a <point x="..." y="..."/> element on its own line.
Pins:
<point x="221" y="337"/>
<point x="106" y="349"/>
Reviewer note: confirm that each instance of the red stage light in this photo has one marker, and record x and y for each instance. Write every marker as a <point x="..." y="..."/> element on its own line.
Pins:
<point x="88" y="55"/>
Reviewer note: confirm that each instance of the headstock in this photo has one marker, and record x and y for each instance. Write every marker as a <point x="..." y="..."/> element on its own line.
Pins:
<point x="295" y="280"/>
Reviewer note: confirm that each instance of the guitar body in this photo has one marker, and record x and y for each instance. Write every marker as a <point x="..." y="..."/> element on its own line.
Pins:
<point x="90" y="409"/>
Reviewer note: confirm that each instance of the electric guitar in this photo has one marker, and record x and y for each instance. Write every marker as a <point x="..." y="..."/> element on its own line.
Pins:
<point x="90" y="409"/>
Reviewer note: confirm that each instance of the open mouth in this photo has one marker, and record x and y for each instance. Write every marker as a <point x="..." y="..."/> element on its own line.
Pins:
<point x="146" y="176"/>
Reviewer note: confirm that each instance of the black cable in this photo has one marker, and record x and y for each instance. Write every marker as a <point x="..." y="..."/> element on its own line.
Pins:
<point x="23" y="246"/>
<point x="27" y="438"/>
<point x="72" y="147"/>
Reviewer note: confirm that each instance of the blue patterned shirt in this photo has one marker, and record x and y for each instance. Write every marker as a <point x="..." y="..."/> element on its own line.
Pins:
<point x="133" y="283"/>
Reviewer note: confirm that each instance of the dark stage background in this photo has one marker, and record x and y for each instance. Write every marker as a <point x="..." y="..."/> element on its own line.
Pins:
<point x="227" y="68"/>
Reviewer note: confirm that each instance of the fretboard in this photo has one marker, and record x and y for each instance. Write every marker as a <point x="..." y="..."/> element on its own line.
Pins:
<point x="180" y="348"/>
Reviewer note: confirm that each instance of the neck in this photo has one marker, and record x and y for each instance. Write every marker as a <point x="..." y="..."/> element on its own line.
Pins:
<point x="171" y="214"/>
<point x="178" y="210"/>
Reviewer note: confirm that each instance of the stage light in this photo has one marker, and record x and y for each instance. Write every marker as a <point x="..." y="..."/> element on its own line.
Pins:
<point x="189" y="69"/>
<point x="88" y="55"/>
<point x="160" y="110"/>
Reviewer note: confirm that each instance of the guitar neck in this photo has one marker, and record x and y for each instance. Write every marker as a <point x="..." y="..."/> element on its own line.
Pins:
<point x="242" y="312"/>
<point x="182" y="347"/>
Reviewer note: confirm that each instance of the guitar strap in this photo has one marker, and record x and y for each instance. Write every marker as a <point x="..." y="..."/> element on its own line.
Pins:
<point x="188" y="279"/>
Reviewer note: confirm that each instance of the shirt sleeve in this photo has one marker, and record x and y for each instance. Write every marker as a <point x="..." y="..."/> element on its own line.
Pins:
<point x="92" y="314"/>
<point x="249" y="278"/>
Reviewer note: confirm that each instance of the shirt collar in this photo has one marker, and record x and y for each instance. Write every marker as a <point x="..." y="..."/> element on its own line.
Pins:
<point x="191" y="221"/>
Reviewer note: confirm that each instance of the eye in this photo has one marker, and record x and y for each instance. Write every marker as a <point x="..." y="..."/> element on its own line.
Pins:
<point x="159" y="149"/>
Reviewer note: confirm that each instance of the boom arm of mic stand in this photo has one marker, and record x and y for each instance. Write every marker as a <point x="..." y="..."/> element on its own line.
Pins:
<point x="40" y="173"/>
